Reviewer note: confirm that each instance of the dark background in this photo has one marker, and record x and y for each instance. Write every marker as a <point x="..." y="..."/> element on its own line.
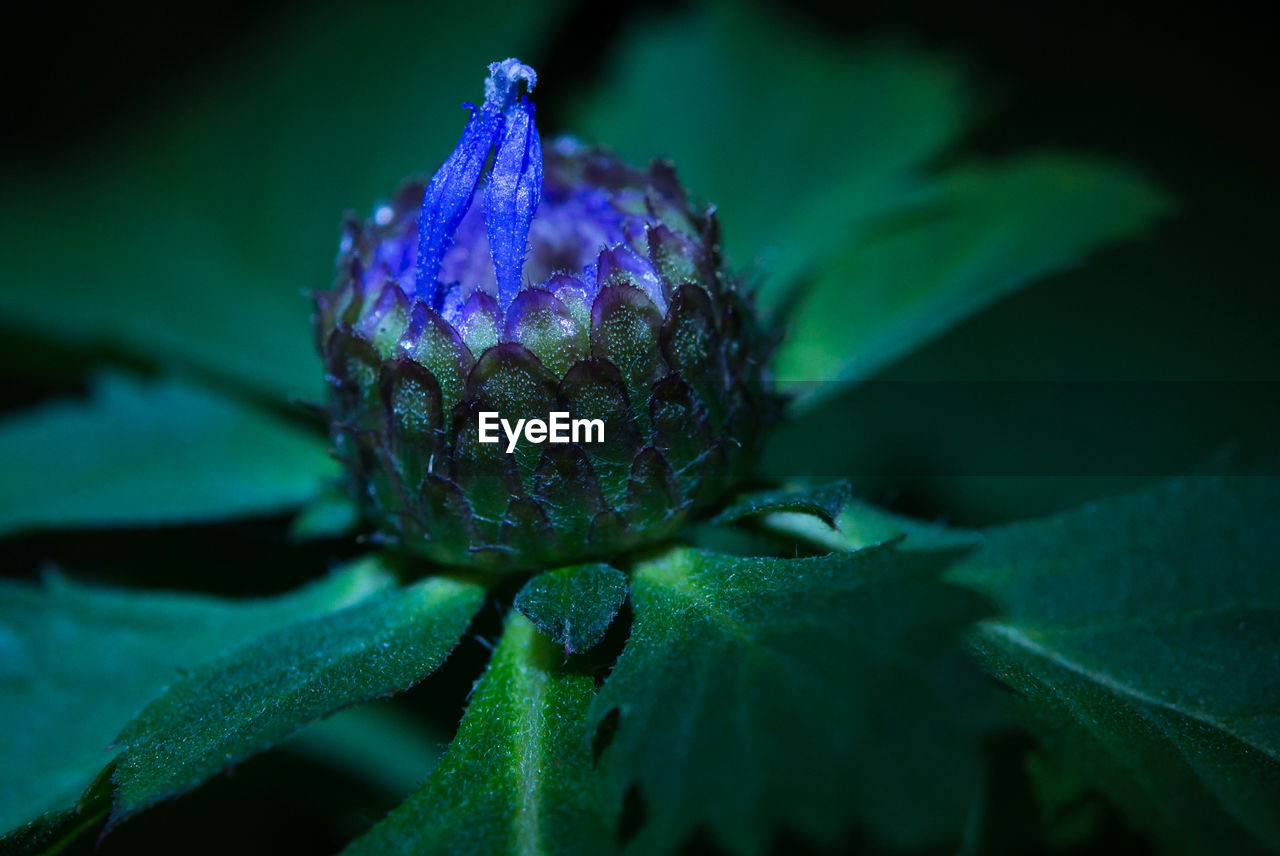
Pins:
<point x="1185" y="93"/>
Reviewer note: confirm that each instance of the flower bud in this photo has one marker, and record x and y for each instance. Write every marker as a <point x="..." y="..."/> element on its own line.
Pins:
<point x="571" y="289"/>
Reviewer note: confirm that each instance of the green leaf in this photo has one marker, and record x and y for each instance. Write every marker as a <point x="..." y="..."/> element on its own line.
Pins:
<point x="195" y="236"/>
<point x="823" y="502"/>
<point x="812" y="694"/>
<point x="1142" y="636"/>
<point x="985" y="231"/>
<point x="797" y="141"/>
<point x="147" y="453"/>
<point x="248" y="699"/>
<point x="77" y="662"/>
<point x="862" y="524"/>
<point x="518" y="778"/>
<point x="574" y="605"/>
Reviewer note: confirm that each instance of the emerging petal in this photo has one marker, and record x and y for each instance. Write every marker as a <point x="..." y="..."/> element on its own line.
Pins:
<point x="513" y="191"/>
<point x="511" y="198"/>
<point x="448" y="196"/>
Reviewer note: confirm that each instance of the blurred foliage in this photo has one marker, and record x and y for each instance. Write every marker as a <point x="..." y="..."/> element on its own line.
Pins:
<point x="983" y="232"/>
<point x="144" y="454"/>
<point x="889" y="255"/>
<point x="380" y="744"/>
<point x="798" y="142"/>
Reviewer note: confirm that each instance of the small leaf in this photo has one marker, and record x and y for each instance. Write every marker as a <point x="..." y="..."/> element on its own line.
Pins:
<point x="148" y="453"/>
<point x="77" y="662"/>
<point x="248" y="699"/>
<point x="823" y="502"/>
<point x="862" y="524"/>
<point x="1142" y="635"/>
<point x="986" y="231"/>
<point x="812" y="694"/>
<point x="574" y="605"/>
<point x="518" y="778"/>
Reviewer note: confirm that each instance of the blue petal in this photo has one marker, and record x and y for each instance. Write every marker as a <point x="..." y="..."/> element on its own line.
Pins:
<point x="448" y="197"/>
<point x="511" y="198"/>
